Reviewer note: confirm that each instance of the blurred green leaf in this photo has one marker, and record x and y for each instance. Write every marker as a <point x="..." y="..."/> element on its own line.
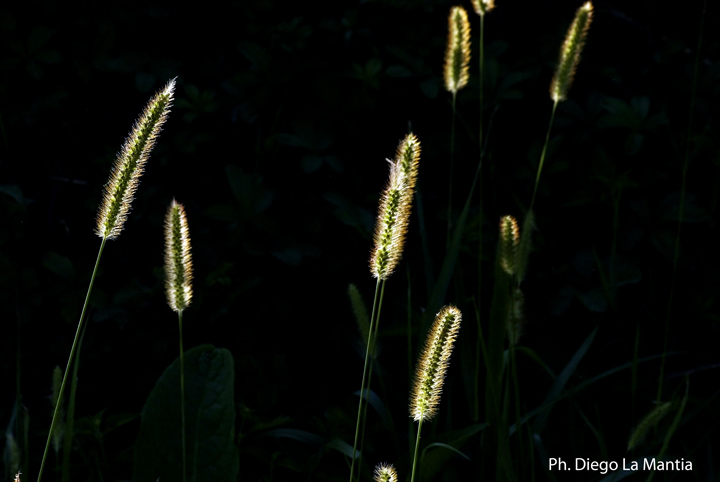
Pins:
<point x="60" y="265"/>
<point x="210" y="414"/>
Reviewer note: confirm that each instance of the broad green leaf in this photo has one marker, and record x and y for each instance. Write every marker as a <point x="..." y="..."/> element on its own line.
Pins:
<point x="210" y="420"/>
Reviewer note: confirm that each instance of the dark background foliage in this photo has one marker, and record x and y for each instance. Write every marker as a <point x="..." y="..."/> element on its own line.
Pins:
<point x="284" y="114"/>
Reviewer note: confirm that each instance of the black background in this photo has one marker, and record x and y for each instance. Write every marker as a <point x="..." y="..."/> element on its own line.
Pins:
<point x="284" y="115"/>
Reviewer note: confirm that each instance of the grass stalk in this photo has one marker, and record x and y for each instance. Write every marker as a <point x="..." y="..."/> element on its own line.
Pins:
<point x="371" y="344"/>
<point x="452" y="160"/>
<point x="542" y="156"/>
<point x="178" y="290"/>
<point x="456" y="73"/>
<point x="681" y="208"/>
<point x="182" y="396"/>
<point x="71" y="358"/>
<point x="364" y="376"/>
<point x="417" y="444"/>
<point x="70" y="415"/>
<point x="431" y="369"/>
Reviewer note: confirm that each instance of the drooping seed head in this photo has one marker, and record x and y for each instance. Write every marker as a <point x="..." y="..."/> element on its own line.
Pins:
<point x="394" y="210"/>
<point x="433" y="364"/>
<point x="508" y="244"/>
<point x="457" y="54"/>
<point x="570" y="53"/>
<point x="178" y="259"/>
<point x="130" y="163"/>
<point x="385" y="473"/>
<point x="483" y="6"/>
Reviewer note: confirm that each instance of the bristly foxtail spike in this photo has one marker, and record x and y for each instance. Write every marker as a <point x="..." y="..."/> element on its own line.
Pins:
<point x="394" y="209"/>
<point x="385" y="473"/>
<point x="178" y="259"/>
<point x="570" y="53"/>
<point x="408" y="156"/>
<point x="457" y="54"/>
<point x="508" y="244"/>
<point x="483" y="6"/>
<point x="130" y="163"/>
<point x="433" y="364"/>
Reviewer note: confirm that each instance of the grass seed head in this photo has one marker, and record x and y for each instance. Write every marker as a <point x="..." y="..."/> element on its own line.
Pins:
<point x="178" y="260"/>
<point x="408" y="155"/>
<point x="130" y="163"/>
<point x="385" y="473"/>
<point x="394" y="211"/>
<point x="509" y="244"/>
<point x="457" y="55"/>
<point x="570" y="53"/>
<point x="433" y="364"/>
<point x="483" y="6"/>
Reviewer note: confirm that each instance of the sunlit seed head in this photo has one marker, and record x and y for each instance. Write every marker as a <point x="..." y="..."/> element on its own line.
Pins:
<point x="178" y="259"/>
<point x="457" y="54"/>
<point x="408" y="157"/>
<point x="394" y="209"/>
<point x="433" y="364"/>
<point x="570" y="53"/>
<point x="385" y="473"/>
<point x="483" y="6"/>
<point x="508" y="244"/>
<point x="130" y="163"/>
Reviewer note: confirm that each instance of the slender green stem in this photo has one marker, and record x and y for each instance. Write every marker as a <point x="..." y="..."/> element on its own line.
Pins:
<point x="409" y="327"/>
<point x="542" y="156"/>
<point x="518" y="417"/>
<point x="634" y="370"/>
<point x="19" y="414"/>
<point x="182" y="395"/>
<point x="70" y="414"/>
<point x="452" y="158"/>
<point x="481" y="79"/>
<point x="681" y="208"/>
<point x="70" y="358"/>
<point x="480" y="342"/>
<point x="362" y="385"/>
<point x="370" y="370"/>
<point x="417" y="444"/>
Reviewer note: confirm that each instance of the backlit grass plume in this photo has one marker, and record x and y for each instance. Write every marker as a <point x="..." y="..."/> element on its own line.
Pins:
<point x="178" y="287"/>
<point x="389" y="240"/>
<point x="483" y="6"/>
<point x="570" y="53"/>
<point x="178" y="260"/>
<point x="457" y="55"/>
<point x="394" y="210"/>
<point x="385" y="473"/>
<point x="114" y="208"/>
<point x="431" y="369"/>
<point x="130" y="162"/>
<point x="561" y="81"/>
<point x="509" y="244"/>
<point x="433" y="364"/>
